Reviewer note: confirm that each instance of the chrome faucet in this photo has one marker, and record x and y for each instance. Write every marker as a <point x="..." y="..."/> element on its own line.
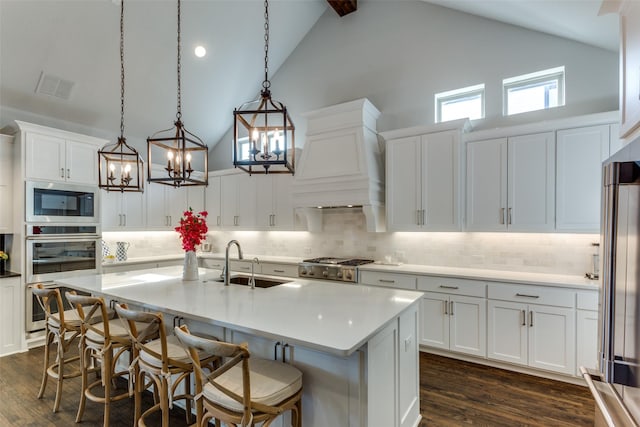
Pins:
<point x="225" y="272"/>
<point x="252" y="280"/>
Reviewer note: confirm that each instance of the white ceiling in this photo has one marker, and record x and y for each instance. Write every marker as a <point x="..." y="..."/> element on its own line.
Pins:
<point x="77" y="40"/>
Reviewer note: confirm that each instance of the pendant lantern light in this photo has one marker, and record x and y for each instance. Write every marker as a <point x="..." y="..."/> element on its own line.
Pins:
<point x="120" y="167"/>
<point x="263" y="133"/>
<point x="180" y="150"/>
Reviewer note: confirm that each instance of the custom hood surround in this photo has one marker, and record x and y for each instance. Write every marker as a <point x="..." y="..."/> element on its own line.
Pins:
<point x="341" y="165"/>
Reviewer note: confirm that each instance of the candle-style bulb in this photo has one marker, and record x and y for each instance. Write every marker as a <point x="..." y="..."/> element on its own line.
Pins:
<point x="254" y="135"/>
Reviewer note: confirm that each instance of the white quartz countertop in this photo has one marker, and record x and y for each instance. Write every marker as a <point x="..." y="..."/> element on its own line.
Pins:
<point x="329" y="317"/>
<point x="569" y="281"/>
<point x="199" y="254"/>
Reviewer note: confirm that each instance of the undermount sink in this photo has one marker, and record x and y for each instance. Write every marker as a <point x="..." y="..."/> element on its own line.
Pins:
<point x="261" y="282"/>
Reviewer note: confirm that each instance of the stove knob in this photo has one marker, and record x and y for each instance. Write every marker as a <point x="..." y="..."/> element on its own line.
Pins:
<point x="348" y="276"/>
<point x="339" y="274"/>
<point x="303" y="272"/>
<point x="311" y="273"/>
<point x="325" y="273"/>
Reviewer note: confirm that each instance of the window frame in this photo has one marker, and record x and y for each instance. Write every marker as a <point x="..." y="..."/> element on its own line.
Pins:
<point x="534" y="79"/>
<point x="459" y="94"/>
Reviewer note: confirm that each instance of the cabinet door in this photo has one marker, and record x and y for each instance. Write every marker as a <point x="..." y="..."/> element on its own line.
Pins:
<point x="111" y="210"/>
<point x="195" y="198"/>
<point x="133" y="209"/>
<point x="403" y="178"/>
<point x="11" y="318"/>
<point x="157" y="217"/>
<point x="212" y="202"/>
<point x="440" y="190"/>
<point x="467" y="325"/>
<point x="507" y="331"/>
<point x="284" y="218"/>
<point x="6" y="209"/>
<point x="586" y="339"/>
<point x="45" y="157"/>
<point x="552" y="338"/>
<point x="81" y="163"/>
<point x="175" y="204"/>
<point x="382" y="364"/>
<point x="246" y="201"/>
<point x="264" y="202"/>
<point x="229" y="200"/>
<point x="580" y="153"/>
<point x="487" y="185"/>
<point x="531" y="182"/>
<point x="434" y="320"/>
<point x="408" y="365"/>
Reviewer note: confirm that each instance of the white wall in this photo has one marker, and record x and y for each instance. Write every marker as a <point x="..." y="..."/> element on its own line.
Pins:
<point x="400" y="53"/>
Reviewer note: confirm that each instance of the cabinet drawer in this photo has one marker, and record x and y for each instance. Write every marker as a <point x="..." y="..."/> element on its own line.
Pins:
<point x="390" y="280"/>
<point x="216" y="264"/>
<point x="532" y="294"/>
<point x="472" y="288"/>
<point x="287" y="270"/>
<point x="243" y="266"/>
<point x="587" y="300"/>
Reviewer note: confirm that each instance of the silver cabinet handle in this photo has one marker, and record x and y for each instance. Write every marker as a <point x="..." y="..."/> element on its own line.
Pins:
<point x="509" y="216"/>
<point x="244" y="268"/>
<point x="68" y="173"/>
<point x="218" y="219"/>
<point x="124" y="222"/>
<point x="417" y="216"/>
<point x="527" y="295"/>
<point x="386" y="281"/>
<point x="120" y="220"/>
<point x="61" y="172"/>
<point x="278" y="271"/>
<point x="446" y="307"/>
<point x="424" y="215"/>
<point x="448" y="287"/>
<point x="531" y="318"/>
<point x="451" y="309"/>
<point x="501" y="215"/>
<point x="524" y="318"/>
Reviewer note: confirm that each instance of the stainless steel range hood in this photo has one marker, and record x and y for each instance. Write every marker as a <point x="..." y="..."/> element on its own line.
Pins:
<point x="341" y="165"/>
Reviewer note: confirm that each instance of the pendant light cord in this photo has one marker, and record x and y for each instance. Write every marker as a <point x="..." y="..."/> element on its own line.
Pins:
<point x="121" y="69"/>
<point x="266" y="83"/>
<point x="179" y="112"/>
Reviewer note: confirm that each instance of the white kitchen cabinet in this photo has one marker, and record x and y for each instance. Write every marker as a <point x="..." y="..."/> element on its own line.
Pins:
<point x="6" y="186"/>
<point x="279" y="269"/>
<point x="274" y="203"/>
<point x="580" y="153"/>
<point x="388" y="280"/>
<point x="511" y="183"/>
<point x="123" y="211"/>
<point x="422" y="174"/>
<point x="11" y="315"/>
<point x="165" y="206"/>
<point x="196" y="198"/>
<point x="540" y="335"/>
<point x="59" y="159"/>
<point x="453" y="314"/>
<point x="213" y="203"/>
<point x="238" y="201"/>
<point x="587" y="331"/>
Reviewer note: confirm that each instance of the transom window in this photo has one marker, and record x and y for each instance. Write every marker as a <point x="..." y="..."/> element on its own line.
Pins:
<point x="460" y="103"/>
<point x="535" y="91"/>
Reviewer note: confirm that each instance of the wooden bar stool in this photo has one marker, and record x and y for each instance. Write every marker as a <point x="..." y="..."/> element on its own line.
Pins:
<point x="103" y="339"/>
<point x="162" y="360"/>
<point x="242" y="391"/>
<point x="62" y="328"/>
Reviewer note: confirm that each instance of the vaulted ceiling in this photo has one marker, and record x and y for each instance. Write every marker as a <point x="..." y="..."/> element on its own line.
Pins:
<point x="78" y="41"/>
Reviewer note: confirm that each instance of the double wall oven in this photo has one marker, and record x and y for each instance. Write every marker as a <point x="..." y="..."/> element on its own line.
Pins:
<point x="62" y="238"/>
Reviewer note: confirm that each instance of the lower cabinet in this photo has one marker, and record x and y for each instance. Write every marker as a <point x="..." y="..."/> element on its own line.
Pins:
<point x="536" y="335"/>
<point x="11" y="315"/>
<point x="587" y="331"/>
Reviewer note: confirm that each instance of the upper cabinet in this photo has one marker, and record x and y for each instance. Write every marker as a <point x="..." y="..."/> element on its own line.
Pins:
<point x="511" y="183"/>
<point x="123" y="211"/>
<point x="238" y="201"/>
<point x="6" y="179"/>
<point x="274" y="204"/>
<point x="213" y="202"/>
<point x="423" y="179"/>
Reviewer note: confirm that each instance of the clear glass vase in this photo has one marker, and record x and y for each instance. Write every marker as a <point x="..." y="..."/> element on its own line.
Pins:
<point x="190" y="268"/>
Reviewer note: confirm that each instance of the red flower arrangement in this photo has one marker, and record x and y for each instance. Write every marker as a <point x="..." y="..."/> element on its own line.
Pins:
<point x="193" y="229"/>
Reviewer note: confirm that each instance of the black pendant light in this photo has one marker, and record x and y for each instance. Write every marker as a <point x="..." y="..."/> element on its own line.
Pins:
<point x="120" y="167"/>
<point x="178" y="149"/>
<point x="263" y="133"/>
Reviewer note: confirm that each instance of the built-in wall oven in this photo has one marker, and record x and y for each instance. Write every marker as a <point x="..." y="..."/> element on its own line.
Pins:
<point x="60" y="202"/>
<point x="55" y="251"/>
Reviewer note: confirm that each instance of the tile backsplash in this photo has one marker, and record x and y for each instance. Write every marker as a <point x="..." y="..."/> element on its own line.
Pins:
<point x="344" y="234"/>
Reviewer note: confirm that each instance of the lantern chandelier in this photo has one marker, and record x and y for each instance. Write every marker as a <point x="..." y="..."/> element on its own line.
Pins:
<point x="178" y="148"/>
<point x="119" y="165"/>
<point x="263" y="133"/>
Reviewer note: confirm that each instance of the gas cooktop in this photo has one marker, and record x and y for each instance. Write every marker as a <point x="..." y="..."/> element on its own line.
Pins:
<point x="331" y="268"/>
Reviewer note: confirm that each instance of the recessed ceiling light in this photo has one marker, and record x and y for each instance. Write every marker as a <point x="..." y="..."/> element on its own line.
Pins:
<point x="200" y="51"/>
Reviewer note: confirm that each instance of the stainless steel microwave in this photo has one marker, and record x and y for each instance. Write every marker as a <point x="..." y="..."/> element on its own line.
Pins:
<point x="61" y="202"/>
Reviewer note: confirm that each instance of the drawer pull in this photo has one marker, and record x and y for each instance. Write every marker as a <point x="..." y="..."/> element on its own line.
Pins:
<point x="386" y="281"/>
<point x="530" y="318"/>
<point x="278" y="271"/>
<point x="448" y="287"/>
<point x="524" y="318"/>
<point x="527" y="296"/>
<point x="446" y="307"/>
<point x="451" y="309"/>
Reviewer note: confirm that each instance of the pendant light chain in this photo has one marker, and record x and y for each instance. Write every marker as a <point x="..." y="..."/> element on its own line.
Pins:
<point x="266" y="84"/>
<point x="179" y="112"/>
<point x="122" y="69"/>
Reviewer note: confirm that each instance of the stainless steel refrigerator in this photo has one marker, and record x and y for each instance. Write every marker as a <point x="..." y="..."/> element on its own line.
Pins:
<point x="616" y="388"/>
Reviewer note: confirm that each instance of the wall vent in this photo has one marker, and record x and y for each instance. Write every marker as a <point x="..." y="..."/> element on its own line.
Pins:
<point x="54" y="86"/>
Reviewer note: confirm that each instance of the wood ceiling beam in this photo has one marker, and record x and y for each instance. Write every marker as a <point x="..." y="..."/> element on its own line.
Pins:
<point x="344" y="7"/>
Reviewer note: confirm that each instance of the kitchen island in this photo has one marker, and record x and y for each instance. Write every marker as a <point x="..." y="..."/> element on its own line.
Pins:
<point x="357" y="346"/>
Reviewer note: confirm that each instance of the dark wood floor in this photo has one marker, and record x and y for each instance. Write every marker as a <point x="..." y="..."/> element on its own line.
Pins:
<point x="452" y="393"/>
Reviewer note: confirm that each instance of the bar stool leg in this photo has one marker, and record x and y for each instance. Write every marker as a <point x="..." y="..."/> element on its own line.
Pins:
<point x="45" y="374"/>
<point x="84" y="359"/>
<point x="60" y="366"/>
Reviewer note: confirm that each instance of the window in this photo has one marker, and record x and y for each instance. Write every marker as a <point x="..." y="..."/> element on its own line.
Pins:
<point x="460" y="103"/>
<point x="536" y="91"/>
